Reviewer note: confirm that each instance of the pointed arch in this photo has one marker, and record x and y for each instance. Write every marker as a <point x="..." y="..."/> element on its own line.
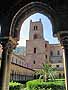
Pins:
<point x="28" y="10"/>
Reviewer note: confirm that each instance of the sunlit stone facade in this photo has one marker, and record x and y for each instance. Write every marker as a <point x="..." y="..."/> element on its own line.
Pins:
<point x="39" y="51"/>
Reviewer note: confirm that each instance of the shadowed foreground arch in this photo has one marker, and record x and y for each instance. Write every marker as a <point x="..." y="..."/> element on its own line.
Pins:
<point x="28" y="10"/>
<point x="58" y="14"/>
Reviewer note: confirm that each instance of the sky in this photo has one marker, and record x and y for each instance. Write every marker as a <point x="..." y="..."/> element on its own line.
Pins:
<point x="47" y="29"/>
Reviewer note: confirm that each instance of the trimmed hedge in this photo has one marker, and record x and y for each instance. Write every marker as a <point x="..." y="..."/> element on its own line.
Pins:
<point x="37" y="85"/>
<point x="15" y="86"/>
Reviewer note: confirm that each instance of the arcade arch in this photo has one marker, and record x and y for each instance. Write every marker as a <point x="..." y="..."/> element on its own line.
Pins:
<point x="28" y="10"/>
<point x="15" y="27"/>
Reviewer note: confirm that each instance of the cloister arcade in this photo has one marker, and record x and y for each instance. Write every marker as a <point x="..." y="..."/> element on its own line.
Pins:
<point x="13" y="15"/>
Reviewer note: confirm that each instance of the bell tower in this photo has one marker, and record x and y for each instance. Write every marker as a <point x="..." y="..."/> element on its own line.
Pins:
<point x="36" y="30"/>
<point x="35" y="46"/>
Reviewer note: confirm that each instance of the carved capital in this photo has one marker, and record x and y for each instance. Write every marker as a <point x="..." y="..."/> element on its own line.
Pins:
<point x="9" y="44"/>
<point x="63" y="37"/>
<point x="64" y="41"/>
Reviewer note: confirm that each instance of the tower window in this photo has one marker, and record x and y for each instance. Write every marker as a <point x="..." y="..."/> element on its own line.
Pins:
<point x="34" y="50"/>
<point x="35" y="36"/>
<point x="58" y="53"/>
<point x="45" y="45"/>
<point x="34" y="62"/>
<point x="46" y="56"/>
<point x="51" y="53"/>
<point x="35" y="27"/>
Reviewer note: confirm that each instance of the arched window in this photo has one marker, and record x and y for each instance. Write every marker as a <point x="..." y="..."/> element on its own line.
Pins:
<point x="51" y="53"/>
<point x="16" y="61"/>
<point x="58" y="52"/>
<point x="59" y="75"/>
<point x="63" y="75"/>
<point x="35" y="27"/>
<point x="46" y="56"/>
<point x="12" y="75"/>
<point x="34" y="62"/>
<point x="45" y="45"/>
<point x="34" y="50"/>
<point x="35" y="36"/>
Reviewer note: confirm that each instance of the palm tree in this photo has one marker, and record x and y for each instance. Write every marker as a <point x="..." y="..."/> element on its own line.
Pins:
<point x="47" y="71"/>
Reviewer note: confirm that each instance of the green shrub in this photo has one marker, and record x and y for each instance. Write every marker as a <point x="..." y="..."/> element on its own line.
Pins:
<point x="37" y="85"/>
<point x="15" y="86"/>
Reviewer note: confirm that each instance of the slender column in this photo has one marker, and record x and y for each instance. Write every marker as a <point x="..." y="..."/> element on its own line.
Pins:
<point x="8" y="65"/>
<point x="4" y="73"/>
<point x="64" y="42"/>
<point x="66" y="66"/>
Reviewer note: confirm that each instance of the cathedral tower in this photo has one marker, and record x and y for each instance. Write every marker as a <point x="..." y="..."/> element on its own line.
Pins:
<point x="36" y="30"/>
<point x="36" y="54"/>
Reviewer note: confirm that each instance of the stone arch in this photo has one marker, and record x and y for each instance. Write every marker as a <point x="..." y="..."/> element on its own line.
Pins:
<point x="28" y="10"/>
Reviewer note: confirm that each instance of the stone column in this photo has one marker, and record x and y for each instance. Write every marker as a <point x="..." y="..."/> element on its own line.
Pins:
<point x="10" y="48"/>
<point x="64" y="42"/>
<point x="4" y="73"/>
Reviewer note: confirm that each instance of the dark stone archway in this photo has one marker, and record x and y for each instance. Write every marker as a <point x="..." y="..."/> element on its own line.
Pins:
<point x="12" y="15"/>
<point x="28" y="10"/>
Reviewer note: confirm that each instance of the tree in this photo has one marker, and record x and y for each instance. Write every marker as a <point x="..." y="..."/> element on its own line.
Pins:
<point x="47" y="71"/>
